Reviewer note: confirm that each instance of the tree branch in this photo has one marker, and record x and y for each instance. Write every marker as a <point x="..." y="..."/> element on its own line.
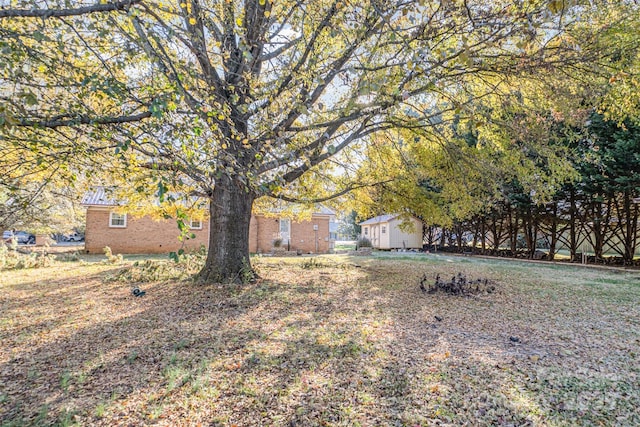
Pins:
<point x="329" y="197"/>
<point x="83" y="120"/>
<point x="51" y="13"/>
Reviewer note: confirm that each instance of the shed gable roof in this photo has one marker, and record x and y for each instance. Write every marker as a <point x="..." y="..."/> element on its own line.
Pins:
<point x="379" y="219"/>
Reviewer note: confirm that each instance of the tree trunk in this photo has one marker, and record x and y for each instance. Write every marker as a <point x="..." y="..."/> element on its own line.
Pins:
<point x="513" y="231"/>
<point x="573" y="238"/>
<point x="598" y="229"/>
<point x="458" y="242"/>
<point x="228" y="255"/>
<point x="553" y="231"/>
<point x="629" y="234"/>
<point x="527" y="230"/>
<point x="476" y="232"/>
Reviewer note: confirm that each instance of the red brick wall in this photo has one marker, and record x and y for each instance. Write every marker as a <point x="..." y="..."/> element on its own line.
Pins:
<point x="146" y="235"/>
<point x="141" y="235"/>
<point x="253" y="235"/>
<point x="302" y="237"/>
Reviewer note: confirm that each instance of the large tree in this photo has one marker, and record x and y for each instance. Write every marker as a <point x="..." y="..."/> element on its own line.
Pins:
<point x="236" y="100"/>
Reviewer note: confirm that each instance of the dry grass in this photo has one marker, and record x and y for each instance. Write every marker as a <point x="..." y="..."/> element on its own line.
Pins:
<point x="329" y="342"/>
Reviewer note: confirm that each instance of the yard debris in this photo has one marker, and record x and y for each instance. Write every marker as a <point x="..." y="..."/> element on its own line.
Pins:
<point x="138" y="293"/>
<point x="458" y="285"/>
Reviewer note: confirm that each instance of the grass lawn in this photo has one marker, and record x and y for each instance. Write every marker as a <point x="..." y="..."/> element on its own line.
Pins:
<point x="345" y="245"/>
<point x="325" y="341"/>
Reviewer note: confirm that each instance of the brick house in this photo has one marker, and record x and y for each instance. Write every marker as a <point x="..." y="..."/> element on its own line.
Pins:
<point x="128" y="234"/>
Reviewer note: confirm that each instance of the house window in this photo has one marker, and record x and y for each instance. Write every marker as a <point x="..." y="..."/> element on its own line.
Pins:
<point x="384" y="229"/>
<point x="366" y="231"/>
<point x="195" y="224"/>
<point x="117" y="220"/>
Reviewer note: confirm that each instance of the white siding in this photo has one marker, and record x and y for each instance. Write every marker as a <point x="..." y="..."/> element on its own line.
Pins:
<point x="399" y="239"/>
<point x="385" y="232"/>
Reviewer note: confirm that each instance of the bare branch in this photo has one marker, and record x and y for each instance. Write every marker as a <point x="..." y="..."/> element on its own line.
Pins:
<point x="83" y="120"/>
<point x="52" y="13"/>
<point x="332" y="196"/>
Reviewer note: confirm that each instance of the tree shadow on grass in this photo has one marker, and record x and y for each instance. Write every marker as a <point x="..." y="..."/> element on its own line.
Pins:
<point x="81" y="345"/>
<point x="336" y="348"/>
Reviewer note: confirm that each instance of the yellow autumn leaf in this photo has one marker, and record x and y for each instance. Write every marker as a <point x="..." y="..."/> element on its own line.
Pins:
<point x="192" y="21"/>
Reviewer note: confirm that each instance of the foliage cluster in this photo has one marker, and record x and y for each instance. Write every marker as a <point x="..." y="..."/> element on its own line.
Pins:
<point x="597" y="211"/>
<point x="111" y="258"/>
<point x="240" y="101"/>
<point x="531" y="164"/>
<point x="181" y="268"/>
<point x="363" y="242"/>
<point x="12" y="259"/>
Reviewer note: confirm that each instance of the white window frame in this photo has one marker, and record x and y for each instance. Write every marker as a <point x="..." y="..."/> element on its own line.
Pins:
<point x="366" y="231"/>
<point x="285" y="234"/>
<point x="111" y="218"/>
<point x="383" y="229"/>
<point x="194" y="227"/>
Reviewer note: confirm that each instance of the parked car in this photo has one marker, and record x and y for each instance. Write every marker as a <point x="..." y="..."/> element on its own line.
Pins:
<point x="73" y="237"/>
<point x="22" y="237"/>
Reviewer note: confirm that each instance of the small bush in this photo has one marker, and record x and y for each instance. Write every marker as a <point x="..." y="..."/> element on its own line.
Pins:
<point x="363" y="242"/>
<point x="277" y="242"/>
<point x="111" y="258"/>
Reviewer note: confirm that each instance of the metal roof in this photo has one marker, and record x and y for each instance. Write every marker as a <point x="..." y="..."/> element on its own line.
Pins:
<point x="98" y="196"/>
<point x="323" y="210"/>
<point x="378" y="219"/>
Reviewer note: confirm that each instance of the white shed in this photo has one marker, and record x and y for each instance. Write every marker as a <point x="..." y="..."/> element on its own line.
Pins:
<point x="384" y="232"/>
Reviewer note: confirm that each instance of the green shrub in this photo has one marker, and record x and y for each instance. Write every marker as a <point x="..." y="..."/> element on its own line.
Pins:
<point x="363" y="242"/>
